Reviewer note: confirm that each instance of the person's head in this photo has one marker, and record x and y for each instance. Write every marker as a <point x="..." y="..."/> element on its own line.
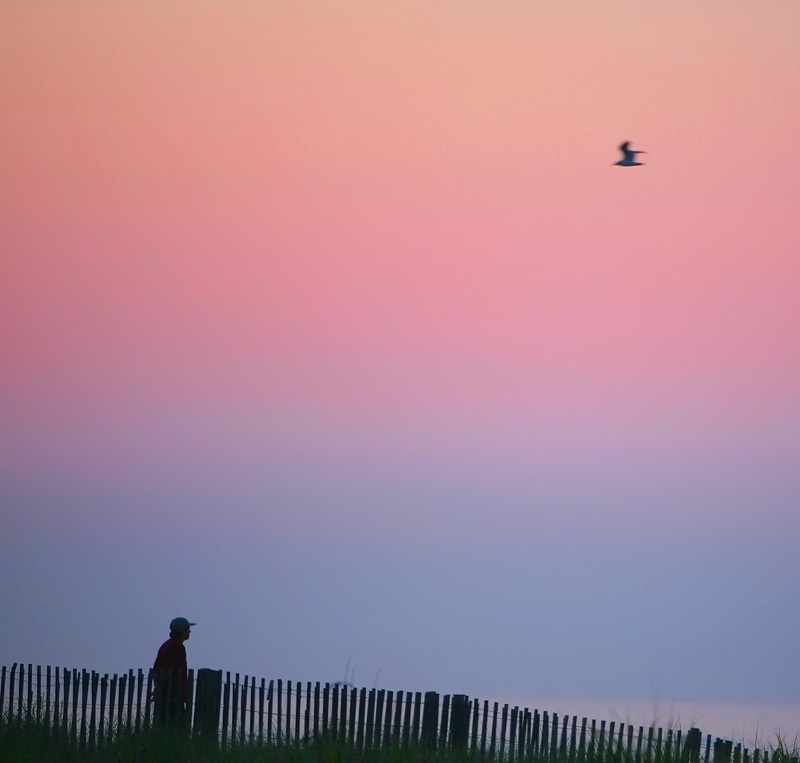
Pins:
<point x="180" y="628"/>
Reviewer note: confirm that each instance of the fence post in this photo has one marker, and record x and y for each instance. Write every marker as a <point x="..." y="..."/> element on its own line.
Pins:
<point x="459" y="722"/>
<point x="207" y="703"/>
<point x="723" y="750"/>
<point x="430" y="719"/>
<point x="691" y="747"/>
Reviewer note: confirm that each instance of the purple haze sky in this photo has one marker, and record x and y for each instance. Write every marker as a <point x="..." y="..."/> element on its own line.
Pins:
<point x="332" y="327"/>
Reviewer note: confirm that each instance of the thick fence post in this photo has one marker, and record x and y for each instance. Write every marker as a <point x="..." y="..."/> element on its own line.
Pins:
<point x="691" y="747"/>
<point x="207" y="703"/>
<point x="459" y="722"/>
<point x="723" y="750"/>
<point x="430" y="719"/>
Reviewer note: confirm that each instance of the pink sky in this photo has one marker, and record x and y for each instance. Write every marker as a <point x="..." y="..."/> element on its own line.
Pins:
<point x="313" y="270"/>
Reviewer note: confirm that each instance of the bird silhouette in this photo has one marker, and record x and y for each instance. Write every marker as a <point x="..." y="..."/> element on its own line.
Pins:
<point x="629" y="156"/>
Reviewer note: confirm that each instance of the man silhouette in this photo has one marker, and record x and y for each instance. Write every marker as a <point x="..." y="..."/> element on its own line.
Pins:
<point x="171" y="675"/>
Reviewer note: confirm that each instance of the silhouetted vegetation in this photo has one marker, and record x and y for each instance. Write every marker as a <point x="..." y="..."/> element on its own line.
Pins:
<point x="26" y="739"/>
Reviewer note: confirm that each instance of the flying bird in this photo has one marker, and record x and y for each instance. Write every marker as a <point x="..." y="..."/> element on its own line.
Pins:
<point x="629" y="156"/>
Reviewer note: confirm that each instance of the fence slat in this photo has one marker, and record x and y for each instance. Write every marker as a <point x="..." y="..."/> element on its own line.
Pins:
<point x="29" y="702"/>
<point x="261" y="691"/>
<point x="334" y="709"/>
<point x="307" y="719"/>
<point x="107" y="686"/>
<point x="325" y="708"/>
<point x="297" y="711"/>
<point x="76" y="688"/>
<point x="84" y="683"/>
<point x="601" y="740"/>
<point x="62" y="718"/>
<point x="247" y="710"/>
<point x="140" y="689"/>
<point x="252" y="708"/>
<point x="362" y="706"/>
<point x="52" y="720"/>
<point x="95" y="679"/>
<point x="564" y="731"/>
<point x="444" y="723"/>
<point x="11" y="690"/>
<point x="20" y="689"/>
<point x="235" y="709"/>
<point x="316" y="708"/>
<point x="537" y="725"/>
<point x="582" y="741"/>
<point x="525" y="733"/>
<point x="512" y="732"/>
<point x="103" y="699"/>
<point x="554" y="736"/>
<point x="243" y="709"/>
<point x="493" y="740"/>
<point x="573" y="738"/>
<point x="129" y="682"/>
<point x="279" y="712"/>
<point x="270" y="699"/>
<point x="380" y="698"/>
<point x="38" y="693"/>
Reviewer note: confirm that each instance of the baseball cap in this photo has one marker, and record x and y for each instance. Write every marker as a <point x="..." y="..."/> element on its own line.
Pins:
<point x="180" y="623"/>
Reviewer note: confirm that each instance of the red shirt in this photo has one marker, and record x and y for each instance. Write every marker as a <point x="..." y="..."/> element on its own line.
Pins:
<point x="171" y="659"/>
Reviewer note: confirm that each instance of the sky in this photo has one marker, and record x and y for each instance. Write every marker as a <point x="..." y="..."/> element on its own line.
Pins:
<point x="333" y="327"/>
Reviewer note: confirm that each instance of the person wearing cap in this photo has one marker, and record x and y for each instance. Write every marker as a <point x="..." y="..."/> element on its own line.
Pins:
<point x="171" y="674"/>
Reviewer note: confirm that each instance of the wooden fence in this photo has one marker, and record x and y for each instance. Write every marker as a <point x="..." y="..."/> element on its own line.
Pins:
<point x="90" y="708"/>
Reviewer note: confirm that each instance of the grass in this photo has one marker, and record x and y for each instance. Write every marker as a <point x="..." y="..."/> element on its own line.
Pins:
<point x="23" y="740"/>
